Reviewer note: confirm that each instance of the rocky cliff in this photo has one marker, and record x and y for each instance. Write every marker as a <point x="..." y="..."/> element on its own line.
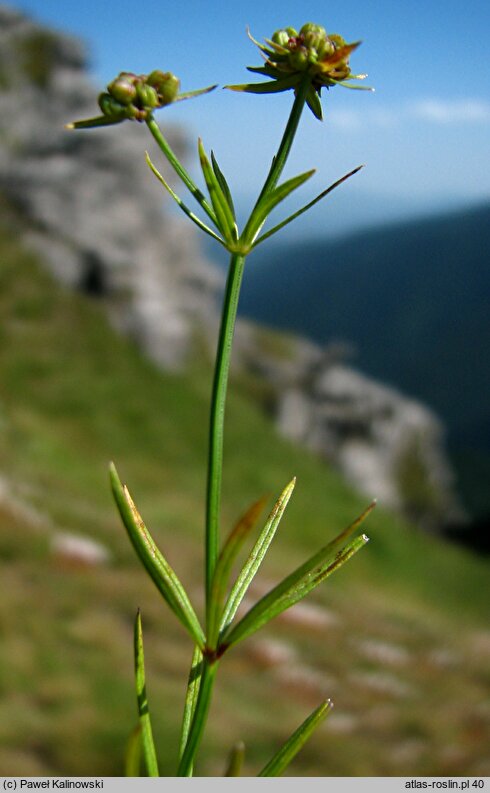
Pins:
<point x="94" y="211"/>
<point x="100" y="221"/>
<point x="385" y="443"/>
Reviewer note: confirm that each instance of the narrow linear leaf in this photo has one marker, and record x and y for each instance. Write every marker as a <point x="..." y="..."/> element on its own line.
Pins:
<point x="192" y="94"/>
<point x="192" y="692"/>
<point x="353" y="86"/>
<point x="299" y="583"/>
<point x="295" y="215"/>
<point x="349" y="530"/>
<point x="225" y="562"/>
<point x="272" y="87"/>
<point x="99" y="121"/>
<point x="328" y="551"/>
<point x="268" y="71"/>
<point x="269" y="201"/>
<point x="258" y="44"/>
<point x="224" y="213"/>
<point x="286" y="754"/>
<point x="154" y="562"/>
<point x="181" y="204"/>
<point x="223" y="183"/>
<point x="293" y="589"/>
<point x="255" y="558"/>
<point x="132" y="755"/>
<point x="147" y="744"/>
<point x="235" y="760"/>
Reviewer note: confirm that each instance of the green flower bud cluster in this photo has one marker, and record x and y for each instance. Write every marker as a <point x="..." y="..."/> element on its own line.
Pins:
<point x="312" y="58"/>
<point x="135" y="96"/>
<point x="324" y="56"/>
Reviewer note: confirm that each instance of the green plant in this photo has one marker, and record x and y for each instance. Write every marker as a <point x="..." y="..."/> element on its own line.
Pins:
<point x="304" y="62"/>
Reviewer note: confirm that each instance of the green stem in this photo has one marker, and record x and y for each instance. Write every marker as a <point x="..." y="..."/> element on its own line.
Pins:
<point x="199" y="719"/>
<point x="218" y="403"/>
<point x="216" y="425"/>
<point x="178" y="167"/>
<point x="279" y="160"/>
<point x="215" y="459"/>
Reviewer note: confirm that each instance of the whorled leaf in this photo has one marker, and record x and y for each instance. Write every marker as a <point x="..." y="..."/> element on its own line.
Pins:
<point x="179" y="169"/>
<point x="181" y="204"/>
<point x="224" y="213"/>
<point x="191" y="696"/>
<point x="154" y="562"/>
<point x="146" y="735"/>
<point x="225" y="562"/>
<point x="223" y="183"/>
<point x="297" y="585"/>
<point x="257" y="554"/>
<point x="270" y="200"/>
<point x="235" y="760"/>
<point x="198" y="721"/>
<point x="308" y="206"/>
<point x="278" y="764"/>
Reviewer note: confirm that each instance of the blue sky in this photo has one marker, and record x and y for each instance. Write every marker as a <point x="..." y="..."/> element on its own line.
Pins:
<point x="424" y="135"/>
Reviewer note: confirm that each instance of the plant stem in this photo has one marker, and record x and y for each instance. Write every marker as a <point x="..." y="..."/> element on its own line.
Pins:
<point x="279" y="160"/>
<point x="199" y="719"/>
<point x="218" y="403"/>
<point x="216" y="424"/>
<point x="230" y="305"/>
<point x="178" y="167"/>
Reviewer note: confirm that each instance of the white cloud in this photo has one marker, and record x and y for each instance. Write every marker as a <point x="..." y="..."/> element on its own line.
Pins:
<point x="450" y="111"/>
<point x="349" y="120"/>
<point x="353" y="120"/>
<point x="431" y="110"/>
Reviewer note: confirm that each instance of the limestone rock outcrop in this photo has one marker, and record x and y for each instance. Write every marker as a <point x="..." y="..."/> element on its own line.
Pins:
<point x="391" y="447"/>
<point x="93" y="209"/>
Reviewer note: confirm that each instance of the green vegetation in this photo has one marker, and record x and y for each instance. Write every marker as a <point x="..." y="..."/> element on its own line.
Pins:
<point x="403" y="645"/>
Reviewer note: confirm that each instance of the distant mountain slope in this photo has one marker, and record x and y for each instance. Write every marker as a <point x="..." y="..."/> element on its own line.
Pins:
<point x="401" y="631"/>
<point x="411" y="298"/>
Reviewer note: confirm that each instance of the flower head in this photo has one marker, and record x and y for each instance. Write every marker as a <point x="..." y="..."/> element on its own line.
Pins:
<point x="291" y="56"/>
<point x="135" y="97"/>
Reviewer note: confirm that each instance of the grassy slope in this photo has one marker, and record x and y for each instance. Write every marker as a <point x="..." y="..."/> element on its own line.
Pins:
<point x="402" y="648"/>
